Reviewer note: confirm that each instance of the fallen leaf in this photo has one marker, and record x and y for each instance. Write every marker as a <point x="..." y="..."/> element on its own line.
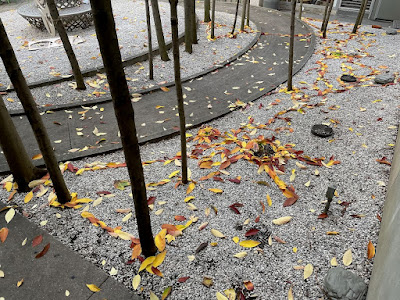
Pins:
<point x="136" y="281"/>
<point x="220" y="296"/>
<point x="113" y="271"/>
<point x="240" y="254"/>
<point x="37" y="156"/>
<point x="308" y="270"/>
<point x="201" y="247"/>
<point x="94" y="288"/>
<point x="347" y="258"/>
<point x="269" y="201"/>
<point x="37" y="240"/>
<point x="207" y="281"/>
<point x="159" y="259"/>
<point x="282" y="220"/>
<point x="10" y="215"/>
<point x="183" y="279"/>
<point x="217" y="233"/>
<point x="249" y="285"/>
<point x="370" y="250"/>
<point x="44" y="251"/>
<point x="249" y="243"/>
<point x="251" y="232"/>
<point x="217" y="191"/>
<point x="3" y="234"/>
<point x="153" y="296"/>
<point x="290" y="293"/>
<point x="334" y="262"/>
<point x="164" y="88"/>
<point x="19" y="283"/>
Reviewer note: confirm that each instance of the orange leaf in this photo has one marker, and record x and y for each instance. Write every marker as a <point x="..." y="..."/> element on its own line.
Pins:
<point x="136" y="251"/>
<point x="3" y="234"/>
<point x="164" y="88"/>
<point x="371" y="250"/>
<point x="225" y="164"/>
<point x="249" y="285"/>
<point x="37" y="240"/>
<point x="180" y="218"/>
<point x="206" y="164"/>
<point x="190" y="188"/>
<point x="37" y="156"/>
<point x="44" y="251"/>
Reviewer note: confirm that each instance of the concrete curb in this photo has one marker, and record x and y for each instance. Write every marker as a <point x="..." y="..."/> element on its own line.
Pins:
<point x="385" y="283"/>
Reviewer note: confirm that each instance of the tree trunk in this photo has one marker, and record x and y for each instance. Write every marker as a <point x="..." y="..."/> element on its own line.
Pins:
<point x="149" y="40"/>
<point x="25" y="96"/>
<point x="207" y="4"/>
<point x="244" y="6"/>
<point x="188" y="26"/>
<point x="301" y="9"/>
<point x="109" y="48"/>
<point x="194" y="23"/>
<point x="80" y="85"/>
<point x="291" y="45"/>
<point x="18" y="160"/>
<point x="236" y="13"/>
<point x="360" y="15"/>
<point x="213" y="19"/>
<point x="178" y="86"/>
<point x="327" y="19"/>
<point x="325" y="14"/>
<point x="159" y="30"/>
<point x="248" y="14"/>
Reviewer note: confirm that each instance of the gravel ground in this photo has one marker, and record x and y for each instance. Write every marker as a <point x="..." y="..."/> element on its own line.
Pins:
<point x="206" y="54"/>
<point x="364" y="120"/>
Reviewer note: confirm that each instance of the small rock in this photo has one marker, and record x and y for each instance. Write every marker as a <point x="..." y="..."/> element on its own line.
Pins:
<point x="348" y="78"/>
<point x="321" y="130"/>
<point x="384" y="78"/>
<point x="391" y="31"/>
<point x="344" y="285"/>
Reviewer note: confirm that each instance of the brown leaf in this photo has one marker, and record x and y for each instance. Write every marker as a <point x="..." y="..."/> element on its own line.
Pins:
<point x="279" y="240"/>
<point x="323" y="216"/>
<point x="37" y="240"/>
<point x="183" y="279"/>
<point x="370" y="250"/>
<point x="207" y="281"/>
<point x="251" y="232"/>
<point x="44" y="251"/>
<point x="201" y="247"/>
<point x="249" y="285"/>
<point x="180" y="218"/>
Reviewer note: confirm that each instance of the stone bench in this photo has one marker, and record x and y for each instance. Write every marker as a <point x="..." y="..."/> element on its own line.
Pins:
<point x="78" y="17"/>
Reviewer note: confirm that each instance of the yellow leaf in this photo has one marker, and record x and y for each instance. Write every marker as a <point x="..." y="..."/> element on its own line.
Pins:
<point x="217" y="191"/>
<point x="307" y="184"/>
<point x="153" y="296"/>
<point x="334" y="262"/>
<point x="308" y="270"/>
<point x="94" y="288"/>
<point x="240" y="254"/>
<point x="220" y="296"/>
<point x="371" y="250"/>
<point x="123" y="235"/>
<point x="190" y="188"/>
<point x="127" y="217"/>
<point x="173" y="174"/>
<point x="136" y="282"/>
<point x="147" y="262"/>
<point x="249" y="243"/>
<point x="235" y="239"/>
<point x="187" y="199"/>
<point x="8" y="186"/>
<point x="217" y="233"/>
<point x="290" y="294"/>
<point x="28" y="197"/>
<point x="113" y="271"/>
<point x="347" y="258"/>
<point x="10" y="215"/>
<point x="159" y="259"/>
<point x="269" y="201"/>
<point x="282" y="220"/>
<point x="231" y="294"/>
<point x="159" y="240"/>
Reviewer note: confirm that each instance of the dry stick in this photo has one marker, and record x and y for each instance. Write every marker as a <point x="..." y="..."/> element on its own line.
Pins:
<point x="325" y="13"/>
<point x="360" y="15"/>
<point x="207" y="4"/>
<point x="291" y="46"/>
<point x="109" y="49"/>
<point x="194" y="23"/>
<point x="149" y="40"/>
<point x="18" y="160"/>
<point x="188" y="26"/>
<point x="301" y="9"/>
<point x="25" y="96"/>
<point x="178" y="85"/>
<point x="243" y="14"/>
<point x="213" y="19"/>
<point x="80" y="84"/>
<point x="236" y="13"/>
<point x="159" y="30"/>
<point x="248" y="14"/>
<point x="327" y="19"/>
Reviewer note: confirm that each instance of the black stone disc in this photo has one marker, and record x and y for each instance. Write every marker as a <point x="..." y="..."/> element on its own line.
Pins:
<point x="348" y="78"/>
<point x="321" y="130"/>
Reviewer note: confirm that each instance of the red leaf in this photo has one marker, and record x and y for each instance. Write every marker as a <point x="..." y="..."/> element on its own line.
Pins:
<point x="279" y="240"/>
<point x="157" y="272"/>
<point x="235" y="209"/>
<point x="37" y="240"/>
<point x="183" y="279"/>
<point x="257" y="219"/>
<point x="44" y="251"/>
<point x="72" y="168"/>
<point x="251" y="232"/>
<point x="180" y="218"/>
<point x="263" y="206"/>
<point x="379" y="217"/>
<point x="235" y="180"/>
<point x="151" y="200"/>
<point x="249" y="285"/>
<point x="103" y="193"/>
<point x="217" y="178"/>
<point x="322" y="216"/>
<point x="376" y="26"/>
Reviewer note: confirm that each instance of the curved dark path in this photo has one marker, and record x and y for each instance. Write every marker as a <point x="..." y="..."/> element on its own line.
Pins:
<point x="257" y="72"/>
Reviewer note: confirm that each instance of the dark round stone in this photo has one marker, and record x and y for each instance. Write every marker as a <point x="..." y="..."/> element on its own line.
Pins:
<point x="348" y="78"/>
<point x="321" y="130"/>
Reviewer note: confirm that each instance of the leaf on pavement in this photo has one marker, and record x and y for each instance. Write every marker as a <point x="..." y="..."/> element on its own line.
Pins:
<point x="44" y="251"/>
<point x="94" y="288"/>
<point x="3" y="234"/>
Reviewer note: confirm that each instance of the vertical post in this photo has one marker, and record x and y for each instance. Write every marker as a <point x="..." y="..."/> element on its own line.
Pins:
<point x="149" y="40"/>
<point x="109" y="48"/>
<point x="248" y="14"/>
<point x="178" y="86"/>
<point x="301" y="9"/>
<point x="360" y="15"/>
<point x="291" y="46"/>
<point x="188" y="26"/>
<point x="194" y="23"/>
<point x="325" y="14"/>
<point x="159" y="30"/>
<point x="25" y="96"/>
<point x="14" y="151"/>
<point x="213" y="19"/>
<point x="327" y="19"/>
<point x="244" y="6"/>
<point x="236" y="13"/>
<point x="207" y="4"/>
<point x="80" y="85"/>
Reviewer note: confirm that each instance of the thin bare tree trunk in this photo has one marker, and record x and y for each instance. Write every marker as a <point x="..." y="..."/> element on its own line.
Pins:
<point x="207" y="4"/>
<point x="80" y="84"/>
<point x="159" y="30"/>
<point x="149" y="40"/>
<point x="194" y="23"/>
<point x="325" y="14"/>
<point x="109" y="48"/>
<point x="360" y="15"/>
<point x="188" y="26"/>
<point x="248" y="14"/>
<point x="178" y="86"/>
<point x="18" y="160"/>
<point x="327" y="19"/>
<point x="213" y="19"/>
<point x="301" y="9"/>
<point x="236" y="13"/>
<point x="291" y="45"/>
<point x="25" y="96"/>
<point x="244" y="6"/>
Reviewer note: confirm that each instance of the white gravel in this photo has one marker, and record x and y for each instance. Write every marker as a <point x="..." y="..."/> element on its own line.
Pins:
<point x="364" y="120"/>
